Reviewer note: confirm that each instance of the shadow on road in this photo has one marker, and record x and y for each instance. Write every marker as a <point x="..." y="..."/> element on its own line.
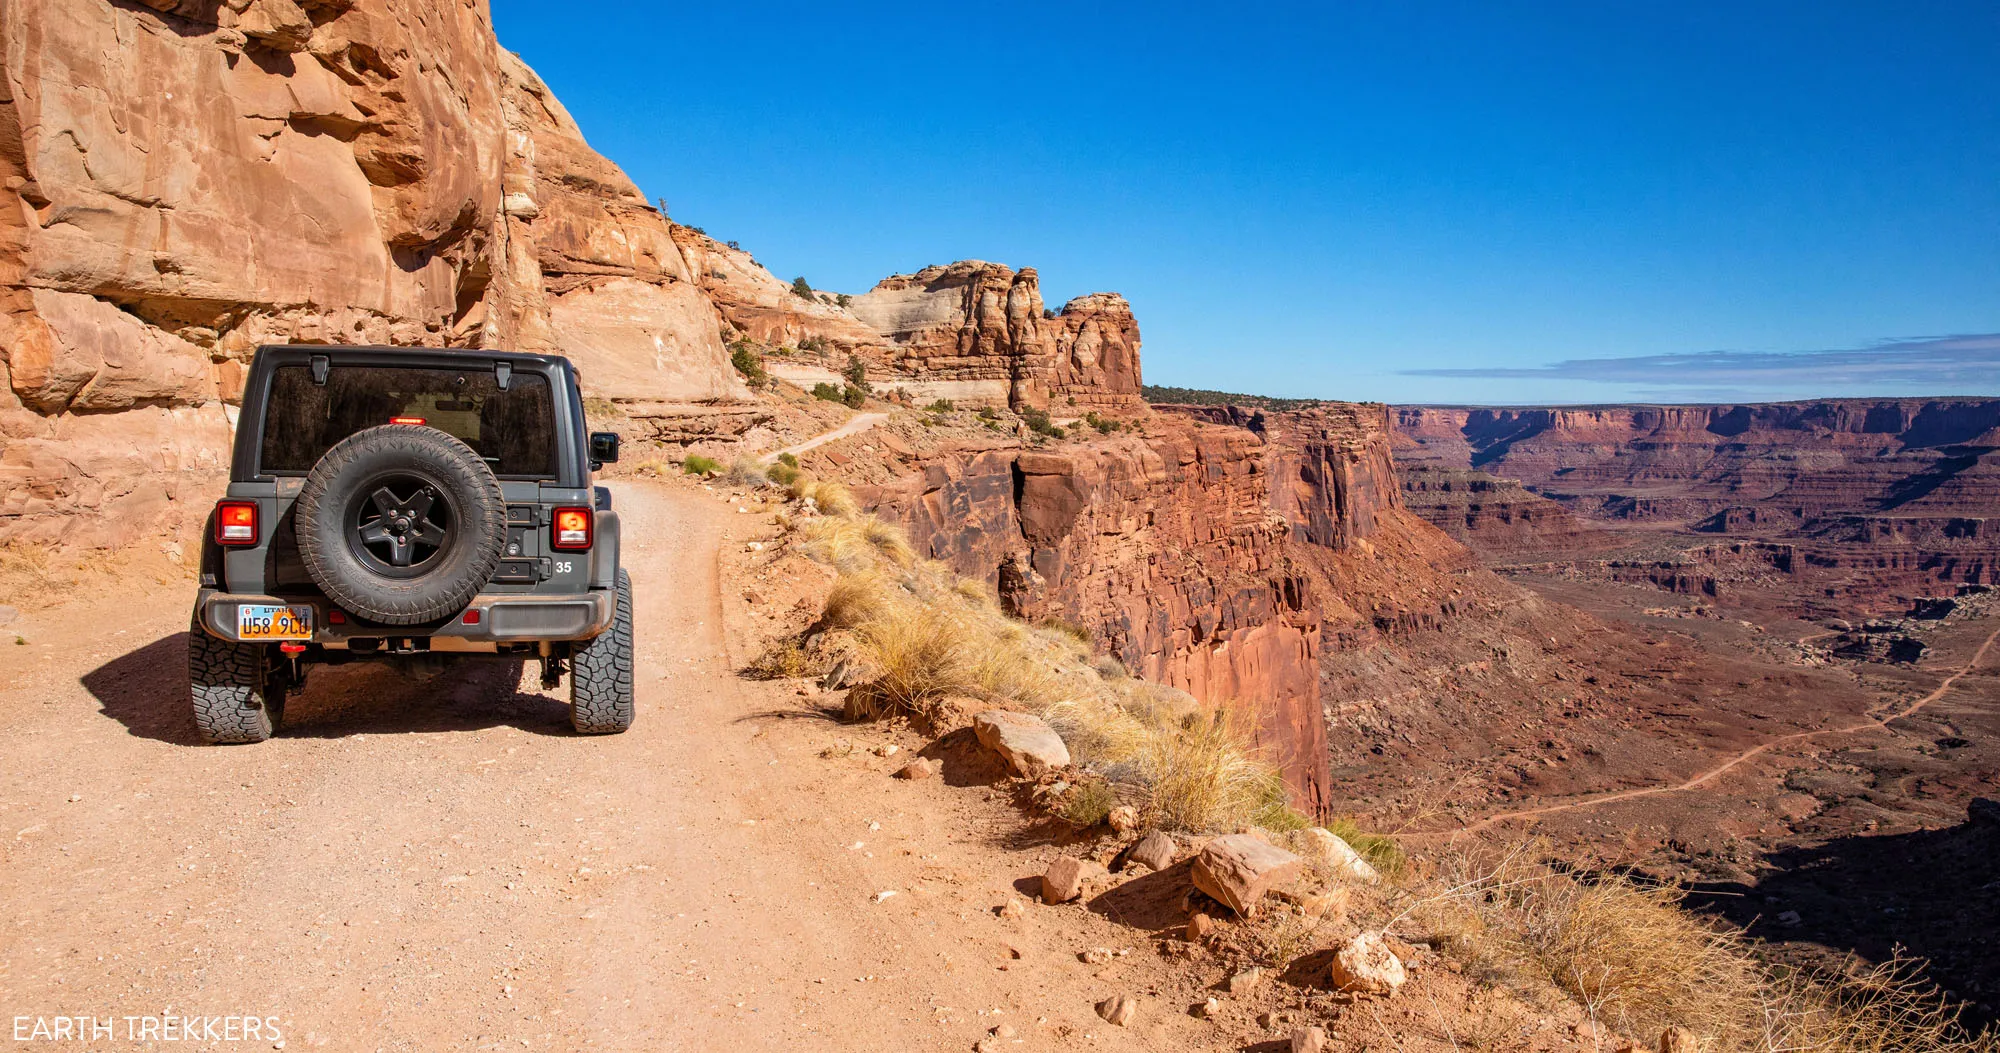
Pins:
<point x="147" y="691"/>
<point x="1930" y="894"/>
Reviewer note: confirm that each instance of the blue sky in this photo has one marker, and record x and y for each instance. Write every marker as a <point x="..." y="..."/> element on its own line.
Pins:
<point x="1412" y="202"/>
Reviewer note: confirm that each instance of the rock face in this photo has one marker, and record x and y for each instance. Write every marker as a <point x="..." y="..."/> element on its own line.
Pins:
<point x="974" y="332"/>
<point x="322" y="172"/>
<point x="1868" y="503"/>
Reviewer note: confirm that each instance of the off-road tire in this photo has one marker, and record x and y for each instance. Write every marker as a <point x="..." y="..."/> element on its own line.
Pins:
<point x="600" y="673"/>
<point x="233" y="699"/>
<point x="478" y="528"/>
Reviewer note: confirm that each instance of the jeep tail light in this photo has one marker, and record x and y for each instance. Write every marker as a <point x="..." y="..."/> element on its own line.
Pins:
<point x="406" y="420"/>
<point x="236" y="523"/>
<point x="571" y="532"/>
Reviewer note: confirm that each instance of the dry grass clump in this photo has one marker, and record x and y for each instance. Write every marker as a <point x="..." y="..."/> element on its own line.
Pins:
<point x="930" y="635"/>
<point x="1638" y="963"/>
<point x="830" y="498"/>
<point x="783" y="660"/>
<point x="1089" y="803"/>
<point x="747" y="470"/>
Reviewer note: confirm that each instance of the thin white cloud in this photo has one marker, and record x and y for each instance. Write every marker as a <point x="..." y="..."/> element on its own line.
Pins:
<point x="1943" y="365"/>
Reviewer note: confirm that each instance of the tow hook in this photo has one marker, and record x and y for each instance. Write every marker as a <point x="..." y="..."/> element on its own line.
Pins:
<point x="552" y="671"/>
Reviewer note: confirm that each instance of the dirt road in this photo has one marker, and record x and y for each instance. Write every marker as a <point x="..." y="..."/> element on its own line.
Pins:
<point x="1716" y="771"/>
<point x="442" y="865"/>
<point x="861" y="422"/>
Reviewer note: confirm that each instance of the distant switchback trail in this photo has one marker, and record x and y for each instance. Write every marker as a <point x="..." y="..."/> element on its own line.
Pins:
<point x="1719" y="770"/>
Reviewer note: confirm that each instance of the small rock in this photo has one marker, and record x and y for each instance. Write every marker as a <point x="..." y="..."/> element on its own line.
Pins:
<point x="1119" y="1009"/>
<point x="1198" y="926"/>
<point x="1098" y="956"/>
<point x="989" y="1044"/>
<point x="921" y="768"/>
<point x="880" y="896"/>
<point x="1245" y="981"/>
<point x="1207" y="1010"/>
<point x="1066" y="877"/>
<point x="1309" y="1040"/>
<point x="1790" y="919"/>
<point x="1237" y="869"/>
<point x="755" y="546"/>
<point x="1271" y="1021"/>
<point x="1678" y="1039"/>
<point x="75" y="797"/>
<point x="1328" y="849"/>
<point x="1003" y="1031"/>
<point x="1155" y="851"/>
<point x="1013" y="908"/>
<point x="887" y="749"/>
<point x="1025" y="742"/>
<point x="1123" y="819"/>
<point x="1366" y="965"/>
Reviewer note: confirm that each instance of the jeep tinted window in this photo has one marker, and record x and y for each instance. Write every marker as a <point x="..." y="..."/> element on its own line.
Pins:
<point x="514" y="430"/>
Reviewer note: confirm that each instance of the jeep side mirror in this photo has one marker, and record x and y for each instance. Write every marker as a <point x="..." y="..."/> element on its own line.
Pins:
<point x="603" y="448"/>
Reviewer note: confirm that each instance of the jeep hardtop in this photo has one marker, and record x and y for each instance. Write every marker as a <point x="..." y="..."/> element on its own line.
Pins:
<point x="405" y="505"/>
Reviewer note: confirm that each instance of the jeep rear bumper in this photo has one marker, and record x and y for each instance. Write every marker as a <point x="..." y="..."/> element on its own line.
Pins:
<point x="487" y="621"/>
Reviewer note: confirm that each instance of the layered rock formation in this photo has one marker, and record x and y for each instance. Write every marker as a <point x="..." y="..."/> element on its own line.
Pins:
<point x="322" y="171"/>
<point x="1869" y="502"/>
<point x="973" y="332"/>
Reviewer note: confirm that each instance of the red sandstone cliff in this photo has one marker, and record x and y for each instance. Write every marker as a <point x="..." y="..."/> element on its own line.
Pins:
<point x="319" y="172"/>
<point x="1864" y="501"/>
<point x="973" y="332"/>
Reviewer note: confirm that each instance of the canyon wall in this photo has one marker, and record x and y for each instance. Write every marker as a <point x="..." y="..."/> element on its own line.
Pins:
<point x="1866" y="501"/>
<point x="973" y="332"/>
<point x="1221" y="551"/>
<point x="318" y="172"/>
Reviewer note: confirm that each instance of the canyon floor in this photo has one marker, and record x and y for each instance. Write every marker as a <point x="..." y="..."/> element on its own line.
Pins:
<point x="443" y="865"/>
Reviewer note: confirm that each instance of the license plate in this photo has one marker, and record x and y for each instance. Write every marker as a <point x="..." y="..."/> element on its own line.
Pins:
<point x="260" y="622"/>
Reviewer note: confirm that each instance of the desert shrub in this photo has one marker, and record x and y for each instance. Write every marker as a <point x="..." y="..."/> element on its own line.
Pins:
<point x="1089" y="802"/>
<point x="856" y="372"/>
<point x="1076" y="633"/>
<point x="744" y="357"/>
<point x="852" y="543"/>
<point x="824" y="390"/>
<point x="941" y="406"/>
<point x="781" y="473"/>
<point x="1636" y="961"/>
<point x="922" y="656"/>
<point x="843" y="299"/>
<point x="801" y="288"/>
<point x="1104" y="425"/>
<point x="988" y="413"/>
<point x="788" y="460"/>
<point x="1038" y="421"/>
<point x="816" y="344"/>
<point x="830" y="498"/>
<point x="747" y="470"/>
<point x="1381" y="851"/>
<point x="696" y="464"/>
<point x="853" y="397"/>
<point x="1204" y="777"/>
<point x="783" y="659"/>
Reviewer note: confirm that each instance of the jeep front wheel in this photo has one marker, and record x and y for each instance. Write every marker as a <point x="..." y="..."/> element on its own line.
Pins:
<point x="234" y="698"/>
<point x="600" y="673"/>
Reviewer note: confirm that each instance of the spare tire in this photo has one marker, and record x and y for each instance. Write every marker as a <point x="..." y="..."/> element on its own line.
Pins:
<point x="401" y="524"/>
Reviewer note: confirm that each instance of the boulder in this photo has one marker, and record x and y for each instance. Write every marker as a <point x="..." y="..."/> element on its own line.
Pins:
<point x="1329" y="850"/>
<point x="1025" y="742"/>
<point x="921" y="768"/>
<point x="1236" y="870"/>
<point x="1119" y="1009"/>
<point x="1066" y="878"/>
<point x="1366" y="965"/>
<point x="1155" y="851"/>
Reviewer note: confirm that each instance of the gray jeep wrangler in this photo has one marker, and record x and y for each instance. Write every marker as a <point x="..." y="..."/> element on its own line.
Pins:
<point x="405" y="505"/>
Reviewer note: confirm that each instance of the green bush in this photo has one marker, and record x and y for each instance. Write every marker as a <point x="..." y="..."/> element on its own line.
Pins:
<point x="941" y="406"/>
<point x="1104" y="425"/>
<point x="781" y="473"/>
<point x="853" y="398"/>
<point x="817" y="344"/>
<point x="696" y="464"/>
<point x="824" y="390"/>
<point x="843" y="299"/>
<point x="743" y="355"/>
<point x="788" y="460"/>
<point x="802" y="288"/>
<point x="1039" y="422"/>
<point x="988" y="413"/>
<point x="856" y="372"/>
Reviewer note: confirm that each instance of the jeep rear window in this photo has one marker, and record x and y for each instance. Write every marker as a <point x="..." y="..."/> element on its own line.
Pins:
<point x="514" y="430"/>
